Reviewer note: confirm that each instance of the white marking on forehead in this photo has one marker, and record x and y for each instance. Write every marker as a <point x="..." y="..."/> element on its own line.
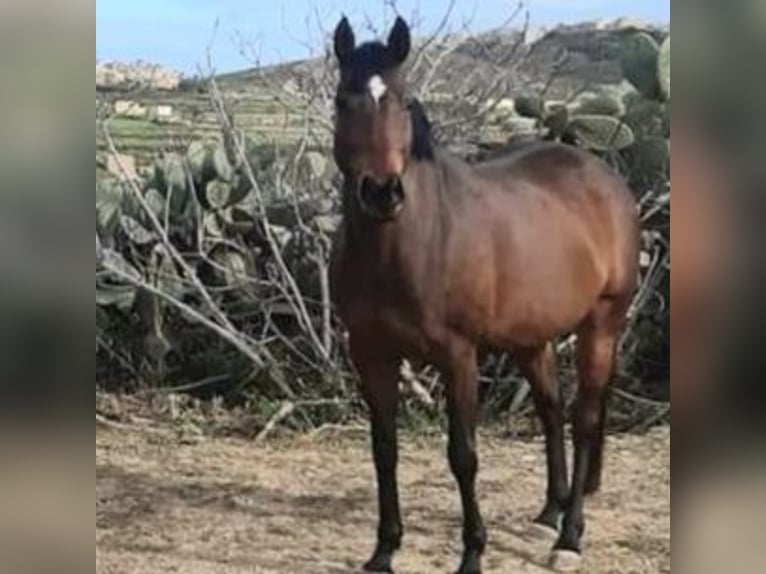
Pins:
<point x="377" y="87"/>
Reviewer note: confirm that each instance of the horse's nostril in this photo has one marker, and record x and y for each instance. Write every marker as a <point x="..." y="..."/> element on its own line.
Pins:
<point x="394" y="187"/>
<point x="391" y="183"/>
<point x="384" y="197"/>
<point x="368" y="185"/>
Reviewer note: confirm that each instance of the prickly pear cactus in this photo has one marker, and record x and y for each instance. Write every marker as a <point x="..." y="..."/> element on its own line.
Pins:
<point x="136" y="232"/>
<point x="156" y="202"/>
<point x="218" y="194"/>
<point x="170" y="178"/>
<point x="594" y="120"/>
<point x="530" y="107"/>
<point x="647" y="117"/>
<point x="195" y="155"/>
<point x="174" y="173"/>
<point x="208" y="160"/>
<point x="162" y="272"/>
<point x="599" y="104"/>
<point x="316" y="163"/>
<point x="241" y="191"/>
<point x="653" y="155"/>
<point x="601" y="133"/>
<point x="557" y="119"/>
<point x="108" y="200"/>
<point x="117" y="291"/>
<point x="663" y="69"/>
<point x="220" y="163"/>
<point x="232" y="267"/>
<point x="639" y="64"/>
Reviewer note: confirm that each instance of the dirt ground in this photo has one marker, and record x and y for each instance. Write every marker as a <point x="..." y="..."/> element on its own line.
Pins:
<point x="225" y="506"/>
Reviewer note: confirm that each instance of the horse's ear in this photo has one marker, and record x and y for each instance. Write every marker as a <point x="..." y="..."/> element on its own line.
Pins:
<point x="344" y="41"/>
<point x="399" y="40"/>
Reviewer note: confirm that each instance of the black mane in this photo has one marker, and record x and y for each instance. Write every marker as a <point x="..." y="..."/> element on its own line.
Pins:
<point x="422" y="136"/>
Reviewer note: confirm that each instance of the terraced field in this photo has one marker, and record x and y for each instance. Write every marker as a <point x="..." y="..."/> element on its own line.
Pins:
<point x="262" y="117"/>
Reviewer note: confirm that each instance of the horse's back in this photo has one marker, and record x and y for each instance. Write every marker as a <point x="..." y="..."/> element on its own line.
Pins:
<point x="556" y="168"/>
<point x="577" y="198"/>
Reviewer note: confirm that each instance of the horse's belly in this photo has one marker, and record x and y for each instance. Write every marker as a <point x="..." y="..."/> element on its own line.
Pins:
<point x="542" y="299"/>
<point x="536" y="326"/>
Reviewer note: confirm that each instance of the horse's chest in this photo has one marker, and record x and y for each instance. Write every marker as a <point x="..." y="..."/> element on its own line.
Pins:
<point x="393" y="326"/>
<point x="376" y="308"/>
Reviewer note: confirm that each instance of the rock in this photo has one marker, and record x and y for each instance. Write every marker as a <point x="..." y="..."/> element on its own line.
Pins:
<point x="129" y="109"/>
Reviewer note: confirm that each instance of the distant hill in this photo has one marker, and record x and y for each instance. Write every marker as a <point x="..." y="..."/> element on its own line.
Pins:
<point x="583" y="53"/>
<point x="163" y="110"/>
<point x="587" y="52"/>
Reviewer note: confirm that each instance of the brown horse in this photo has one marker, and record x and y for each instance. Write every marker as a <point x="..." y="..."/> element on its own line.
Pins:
<point x="435" y="257"/>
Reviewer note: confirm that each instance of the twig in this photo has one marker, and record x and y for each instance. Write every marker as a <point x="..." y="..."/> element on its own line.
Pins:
<point x="284" y="411"/>
<point x="435" y="34"/>
<point x="640" y="400"/>
<point x="189" y="386"/>
<point x="418" y="390"/>
<point x="297" y="298"/>
<point x="324" y="287"/>
<point x="105" y="422"/>
<point x="519" y="397"/>
<point x="231" y="336"/>
<point x="142" y="425"/>
<point x="338" y="428"/>
<point x="163" y="234"/>
<point x="288" y="408"/>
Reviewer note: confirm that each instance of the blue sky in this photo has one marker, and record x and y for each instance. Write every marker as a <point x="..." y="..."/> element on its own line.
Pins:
<point x="176" y="33"/>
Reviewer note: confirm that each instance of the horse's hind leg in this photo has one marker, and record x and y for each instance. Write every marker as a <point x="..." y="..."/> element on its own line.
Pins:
<point x="380" y="390"/>
<point x="539" y="367"/>
<point x="595" y="464"/>
<point x="596" y="346"/>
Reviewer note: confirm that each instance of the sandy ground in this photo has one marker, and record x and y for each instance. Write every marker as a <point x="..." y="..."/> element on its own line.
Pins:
<point x="227" y="506"/>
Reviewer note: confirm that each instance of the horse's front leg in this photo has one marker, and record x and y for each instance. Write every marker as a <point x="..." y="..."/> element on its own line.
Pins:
<point x="462" y="401"/>
<point x="380" y="390"/>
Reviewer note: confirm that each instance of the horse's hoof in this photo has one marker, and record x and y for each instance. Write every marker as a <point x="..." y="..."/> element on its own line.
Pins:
<point x="545" y="532"/>
<point x="565" y="561"/>
<point x="370" y="567"/>
<point x="379" y="564"/>
<point x="471" y="564"/>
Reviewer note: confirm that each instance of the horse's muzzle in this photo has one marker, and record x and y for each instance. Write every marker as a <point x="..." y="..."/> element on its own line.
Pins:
<point x="381" y="199"/>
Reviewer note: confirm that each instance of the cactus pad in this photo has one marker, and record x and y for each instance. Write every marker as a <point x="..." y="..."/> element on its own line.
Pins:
<point x="601" y="133"/>
<point x="639" y="63"/>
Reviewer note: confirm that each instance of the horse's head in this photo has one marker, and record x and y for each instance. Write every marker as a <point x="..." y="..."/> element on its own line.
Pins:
<point x="373" y="128"/>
